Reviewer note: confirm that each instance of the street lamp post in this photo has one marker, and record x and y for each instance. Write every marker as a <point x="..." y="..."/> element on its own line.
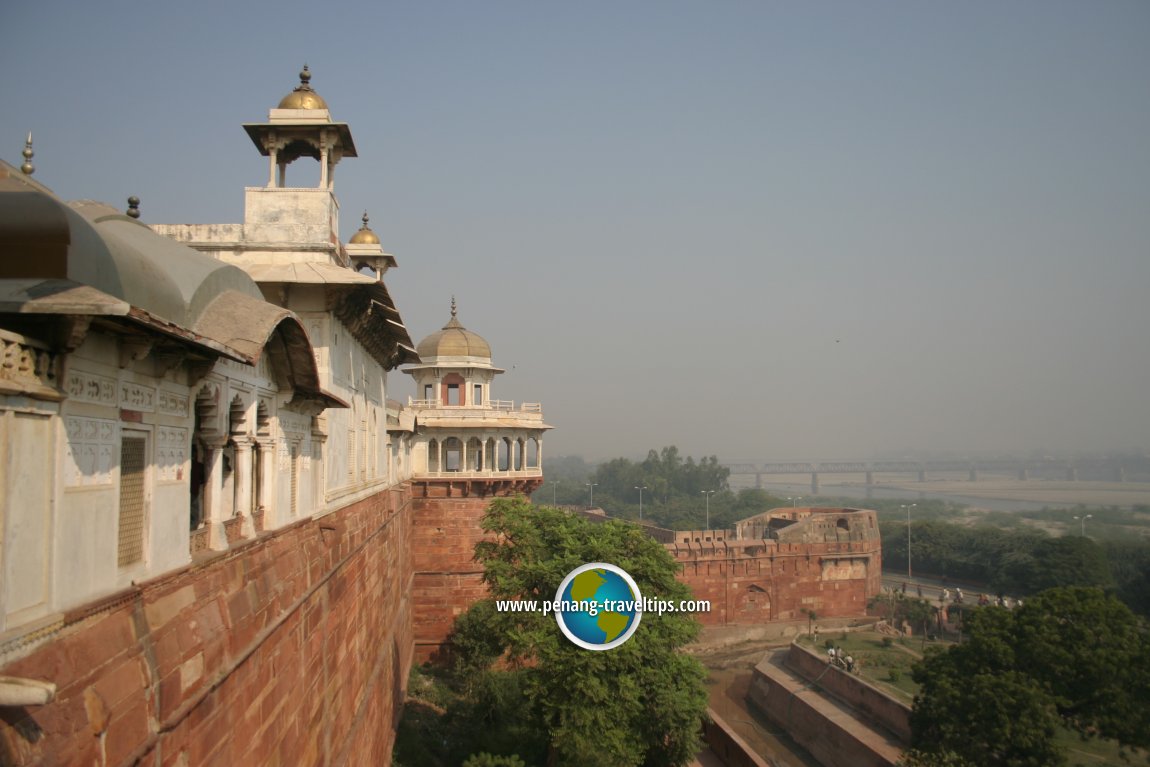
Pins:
<point x="1082" y="524"/>
<point x="707" y="494"/>
<point x="591" y="502"/>
<point x="795" y="501"/>
<point x="908" y="507"/>
<point x="641" y="489"/>
<point x="554" y="489"/>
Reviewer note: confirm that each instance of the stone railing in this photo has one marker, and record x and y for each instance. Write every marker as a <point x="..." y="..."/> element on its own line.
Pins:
<point x="528" y="472"/>
<point x="28" y="367"/>
<point x="431" y="411"/>
<point x="503" y="405"/>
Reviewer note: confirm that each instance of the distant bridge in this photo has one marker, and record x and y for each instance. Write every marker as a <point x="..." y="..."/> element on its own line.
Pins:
<point x="1102" y="469"/>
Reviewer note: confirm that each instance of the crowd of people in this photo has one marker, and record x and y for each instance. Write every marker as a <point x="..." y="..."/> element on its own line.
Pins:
<point x="836" y="656"/>
<point x="946" y="596"/>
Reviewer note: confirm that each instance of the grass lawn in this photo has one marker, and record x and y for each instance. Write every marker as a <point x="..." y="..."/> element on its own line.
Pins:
<point x="1095" y="752"/>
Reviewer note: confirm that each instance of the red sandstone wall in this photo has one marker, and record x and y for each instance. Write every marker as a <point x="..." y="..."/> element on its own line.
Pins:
<point x="826" y="738"/>
<point x="447" y="579"/>
<point x="293" y="649"/>
<point x="732" y="750"/>
<point x="750" y="582"/>
<point x="880" y="708"/>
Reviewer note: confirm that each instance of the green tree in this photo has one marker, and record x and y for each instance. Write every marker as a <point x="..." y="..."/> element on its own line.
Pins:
<point x="487" y="760"/>
<point x="1071" y="656"/>
<point x="641" y="703"/>
<point x="1055" y="562"/>
<point x="1089" y="651"/>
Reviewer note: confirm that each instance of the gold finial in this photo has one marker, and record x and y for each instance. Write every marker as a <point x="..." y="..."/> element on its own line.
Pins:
<point x="133" y="207"/>
<point x="364" y="235"/>
<point x="28" y="168"/>
<point x="453" y="307"/>
<point x="303" y="96"/>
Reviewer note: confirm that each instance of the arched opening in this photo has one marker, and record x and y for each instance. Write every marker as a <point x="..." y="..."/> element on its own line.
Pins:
<point x="505" y="454"/>
<point x="452" y="454"/>
<point x="205" y="413"/>
<point x="533" y="453"/>
<point x="433" y="456"/>
<point x="263" y="419"/>
<point x="519" y="454"/>
<point x="475" y="454"/>
<point x="237" y="416"/>
<point x="454" y="393"/>
<point x="842" y="524"/>
<point x="489" y="453"/>
<point x="756" y="601"/>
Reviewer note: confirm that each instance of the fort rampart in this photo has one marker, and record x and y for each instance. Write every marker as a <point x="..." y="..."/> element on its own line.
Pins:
<point x="293" y="648"/>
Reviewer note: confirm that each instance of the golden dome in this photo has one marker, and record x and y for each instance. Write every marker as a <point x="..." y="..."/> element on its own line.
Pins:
<point x="453" y="340"/>
<point x="364" y="235"/>
<point x="303" y="97"/>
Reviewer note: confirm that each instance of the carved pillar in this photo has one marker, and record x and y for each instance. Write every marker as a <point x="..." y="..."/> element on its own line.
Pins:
<point x="243" y="484"/>
<point x="324" y="162"/>
<point x="318" y="464"/>
<point x="267" y="459"/>
<point x="213" y="487"/>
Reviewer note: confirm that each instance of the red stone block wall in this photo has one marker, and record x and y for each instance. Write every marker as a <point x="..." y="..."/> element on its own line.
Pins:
<point x="751" y="582"/>
<point x="447" y="579"/>
<point x="292" y="649"/>
<point x="828" y="739"/>
<point x="876" y="705"/>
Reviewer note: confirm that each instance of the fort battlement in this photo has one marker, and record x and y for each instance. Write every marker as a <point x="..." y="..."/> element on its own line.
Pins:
<point x="783" y="564"/>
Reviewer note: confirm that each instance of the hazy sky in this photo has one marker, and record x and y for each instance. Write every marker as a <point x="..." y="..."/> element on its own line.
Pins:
<point x="754" y="229"/>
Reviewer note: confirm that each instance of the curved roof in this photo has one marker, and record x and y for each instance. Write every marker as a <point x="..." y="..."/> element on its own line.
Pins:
<point x="364" y="235"/>
<point x="130" y="261"/>
<point x="88" y="258"/>
<point x="453" y="340"/>
<point x="303" y="97"/>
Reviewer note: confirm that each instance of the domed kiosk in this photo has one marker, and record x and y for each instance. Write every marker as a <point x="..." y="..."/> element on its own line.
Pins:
<point x="481" y="444"/>
<point x="467" y="447"/>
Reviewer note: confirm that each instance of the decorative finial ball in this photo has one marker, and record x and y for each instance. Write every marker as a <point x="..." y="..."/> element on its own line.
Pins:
<point x="133" y="207"/>
<point x="28" y="168"/>
<point x="305" y="75"/>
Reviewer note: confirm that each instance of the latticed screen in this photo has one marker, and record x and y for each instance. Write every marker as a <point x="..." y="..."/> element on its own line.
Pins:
<point x="294" y="480"/>
<point x="133" y="462"/>
<point x="351" y="450"/>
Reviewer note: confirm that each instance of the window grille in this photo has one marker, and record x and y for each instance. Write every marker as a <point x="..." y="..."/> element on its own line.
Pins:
<point x="133" y="464"/>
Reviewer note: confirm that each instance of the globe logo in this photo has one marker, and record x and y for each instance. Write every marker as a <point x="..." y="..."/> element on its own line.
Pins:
<point x="598" y="606"/>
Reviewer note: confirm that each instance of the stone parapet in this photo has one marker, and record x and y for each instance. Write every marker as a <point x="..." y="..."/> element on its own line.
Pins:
<point x="825" y="728"/>
<point x="292" y="648"/>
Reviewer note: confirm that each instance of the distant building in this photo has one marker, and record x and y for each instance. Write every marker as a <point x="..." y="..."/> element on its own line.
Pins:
<point x="782" y="564"/>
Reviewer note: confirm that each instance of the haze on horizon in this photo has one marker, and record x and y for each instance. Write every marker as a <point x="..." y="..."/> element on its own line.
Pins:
<point x="756" y="230"/>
